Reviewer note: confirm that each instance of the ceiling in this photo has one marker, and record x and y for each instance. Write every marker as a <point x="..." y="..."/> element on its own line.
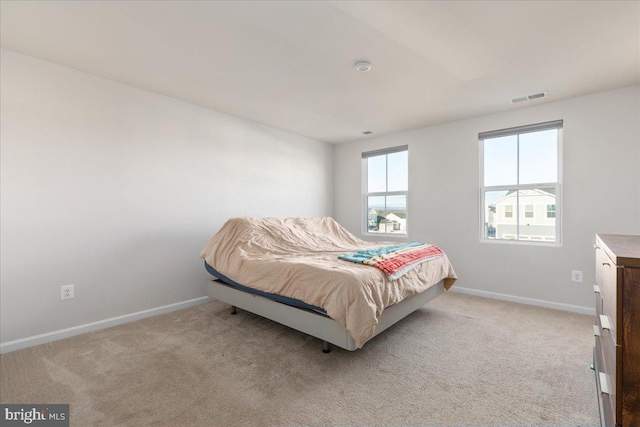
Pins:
<point x="289" y="64"/>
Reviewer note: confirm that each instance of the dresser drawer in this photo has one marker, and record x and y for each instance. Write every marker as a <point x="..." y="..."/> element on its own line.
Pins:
<point x="613" y="371"/>
<point x="607" y="413"/>
<point x="607" y="275"/>
<point x="598" y="295"/>
<point x="599" y="254"/>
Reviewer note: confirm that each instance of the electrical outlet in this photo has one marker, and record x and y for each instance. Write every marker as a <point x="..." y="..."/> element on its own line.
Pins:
<point x="66" y="292"/>
<point x="576" y="276"/>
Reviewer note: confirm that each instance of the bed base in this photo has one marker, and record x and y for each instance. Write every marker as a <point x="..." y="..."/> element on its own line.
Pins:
<point x="310" y="322"/>
<point x="313" y="323"/>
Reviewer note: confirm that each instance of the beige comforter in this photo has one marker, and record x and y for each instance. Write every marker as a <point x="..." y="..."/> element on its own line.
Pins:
<point x="298" y="258"/>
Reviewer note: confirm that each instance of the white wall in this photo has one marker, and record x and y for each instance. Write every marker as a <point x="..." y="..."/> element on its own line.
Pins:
<point x="600" y="194"/>
<point x="115" y="189"/>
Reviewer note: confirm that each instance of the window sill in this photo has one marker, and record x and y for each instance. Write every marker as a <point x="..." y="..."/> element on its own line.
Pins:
<point x="521" y="242"/>
<point x="386" y="236"/>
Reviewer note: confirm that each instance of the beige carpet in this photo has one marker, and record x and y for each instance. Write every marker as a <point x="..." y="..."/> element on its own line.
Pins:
<point x="461" y="360"/>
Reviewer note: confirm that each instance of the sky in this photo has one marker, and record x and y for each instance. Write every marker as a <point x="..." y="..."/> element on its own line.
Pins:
<point x="538" y="161"/>
<point x="398" y="172"/>
<point x="398" y="177"/>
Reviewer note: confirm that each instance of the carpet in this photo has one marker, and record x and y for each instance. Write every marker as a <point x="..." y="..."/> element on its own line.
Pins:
<point x="460" y="360"/>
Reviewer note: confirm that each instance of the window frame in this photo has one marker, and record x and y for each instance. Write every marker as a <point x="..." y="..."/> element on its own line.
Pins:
<point x="364" y="216"/>
<point x="520" y="130"/>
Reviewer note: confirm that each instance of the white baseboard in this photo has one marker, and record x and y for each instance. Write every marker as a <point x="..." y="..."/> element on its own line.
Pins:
<point x="10" y="346"/>
<point x="528" y="301"/>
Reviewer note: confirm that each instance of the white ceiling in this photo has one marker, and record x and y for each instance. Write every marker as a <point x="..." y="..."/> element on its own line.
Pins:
<point x="289" y="64"/>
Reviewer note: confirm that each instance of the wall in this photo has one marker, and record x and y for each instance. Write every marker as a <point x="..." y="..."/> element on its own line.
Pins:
<point x="115" y="189"/>
<point x="600" y="194"/>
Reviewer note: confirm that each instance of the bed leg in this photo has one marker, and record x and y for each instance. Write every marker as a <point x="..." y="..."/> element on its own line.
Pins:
<point x="233" y="310"/>
<point x="326" y="347"/>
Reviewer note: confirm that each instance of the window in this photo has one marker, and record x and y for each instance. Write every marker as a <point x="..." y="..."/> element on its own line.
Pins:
<point x="551" y="211"/>
<point x="508" y="211"/>
<point x="520" y="178"/>
<point x="386" y="182"/>
<point x="528" y="211"/>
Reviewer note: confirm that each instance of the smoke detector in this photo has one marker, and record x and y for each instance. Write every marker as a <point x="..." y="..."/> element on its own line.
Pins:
<point x="363" y="66"/>
<point x="528" y="98"/>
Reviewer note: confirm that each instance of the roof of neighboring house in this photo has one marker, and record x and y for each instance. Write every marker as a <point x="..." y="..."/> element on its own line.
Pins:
<point x="401" y="215"/>
<point x="393" y="217"/>
<point x="547" y="192"/>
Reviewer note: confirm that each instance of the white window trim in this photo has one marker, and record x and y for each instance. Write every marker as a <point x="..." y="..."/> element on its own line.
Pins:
<point x="556" y="185"/>
<point x="365" y="178"/>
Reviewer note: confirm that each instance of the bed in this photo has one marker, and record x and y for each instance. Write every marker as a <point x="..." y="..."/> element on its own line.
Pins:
<point x="288" y="270"/>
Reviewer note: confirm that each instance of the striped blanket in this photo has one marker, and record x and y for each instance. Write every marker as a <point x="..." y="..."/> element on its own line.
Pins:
<point x="397" y="260"/>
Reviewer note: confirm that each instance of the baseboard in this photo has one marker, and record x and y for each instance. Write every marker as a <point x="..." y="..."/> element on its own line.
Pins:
<point x="528" y="301"/>
<point x="10" y="346"/>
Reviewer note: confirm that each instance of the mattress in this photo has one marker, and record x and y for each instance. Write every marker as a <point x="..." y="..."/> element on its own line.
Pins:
<point x="273" y="297"/>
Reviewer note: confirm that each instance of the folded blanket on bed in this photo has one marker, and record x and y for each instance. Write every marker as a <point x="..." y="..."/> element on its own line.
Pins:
<point x="397" y="260"/>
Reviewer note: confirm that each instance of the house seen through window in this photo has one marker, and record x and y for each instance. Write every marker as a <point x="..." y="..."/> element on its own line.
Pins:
<point x="520" y="183"/>
<point x="386" y="184"/>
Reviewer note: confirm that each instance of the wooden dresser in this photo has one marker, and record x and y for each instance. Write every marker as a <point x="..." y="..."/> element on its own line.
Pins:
<point x="616" y="355"/>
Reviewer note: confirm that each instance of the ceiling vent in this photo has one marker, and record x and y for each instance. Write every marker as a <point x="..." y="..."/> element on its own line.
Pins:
<point x="367" y="132"/>
<point x="529" y="97"/>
